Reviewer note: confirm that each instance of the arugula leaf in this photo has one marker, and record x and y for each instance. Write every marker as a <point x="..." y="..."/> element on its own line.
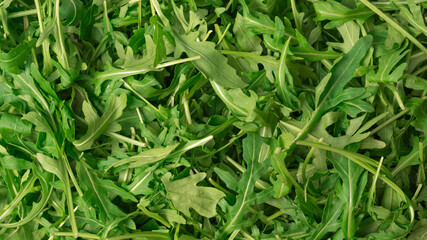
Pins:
<point x="185" y="194"/>
<point x="235" y="213"/>
<point x="14" y="60"/>
<point x="387" y="70"/>
<point x="330" y="223"/>
<point x="100" y="125"/>
<point x="211" y="63"/>
<point x="137" y="119"/>
<point x="342" y="73"/>
<point x="338" y="13"/>
<point x="350" y="192"/>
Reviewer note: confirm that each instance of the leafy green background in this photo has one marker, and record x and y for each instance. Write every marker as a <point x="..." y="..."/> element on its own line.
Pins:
<point x="209" y="119"/>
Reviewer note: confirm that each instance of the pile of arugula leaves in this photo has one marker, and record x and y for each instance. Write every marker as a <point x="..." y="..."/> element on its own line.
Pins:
<point x="210" y="119"/>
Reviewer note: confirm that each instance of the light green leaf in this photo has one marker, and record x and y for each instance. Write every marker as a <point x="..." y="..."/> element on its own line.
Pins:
<point x="15" y="58"/>
<point x="51" y="165"/>
<point x="185" y="194"/>
<point x="284" y="81"/>
<point x="211" y="63"/>
<point x="96" y="194"/>
<point x="307" y="52"/>
<point x="99" y="125"/>
<point x="241" y="105"/>
<point x="350" y="33"/>
<point x="245" y="186"/>
<point x="350" y="192"/>
<point x="147" y="157"/>
<point x="413" y="158"/>
<point x="13" y="163"/>
<point x="414" y="16"/>
<point x="331" y="213"/>
<point x="342" y="72"/>
<point x="388" y="71"/>
<point x="72" y="11"/>
<point x="338" y="13"/>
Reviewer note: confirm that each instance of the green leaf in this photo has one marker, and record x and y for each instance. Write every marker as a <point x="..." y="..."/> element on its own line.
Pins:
<point x="241" y="105"/>
<point x="15" y="58"/>
<point x="211" y="63"/>
<point x="350" y="33"/>
<point x="72" y="11"/>
<point x="330" y="216"/>
<point x="51" y="165"/>
<point x="388" y="71"/>
<point x="284" y="81"/>
<point x="342" y="73"/>
<point x="185" y="194"/>
<point x="338" y="13"/>
<point x="235" y="213"/>
<point x="96" y="194"/>
<point x="307" y="52"/>
<point x="13" y="163"/>
<point x="413" y="158"/>
<point x="414" y="16"/>
<point x="100" y="125"/>
<point x="147" y="157"/>
<point x="350" y="192"/>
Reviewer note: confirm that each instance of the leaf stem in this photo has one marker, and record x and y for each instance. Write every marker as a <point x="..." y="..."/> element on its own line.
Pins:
<point x="47" y="64"/>
<point x="80" y="235"/>
<point x="374" y="183"/>
<point x="295" y="13"/>
<point x="126" y="139"/>
<point x="63" y="56"/>
<point x="128" y="86"/>
<point x="421" y="70"/>
<point x="421" y="170"/>
<point x="139" y="14"/>
<point x="395" y="25"/>
<point x="222" y="35"/>
<point x="260" y="184"/>
<point x="307" y="159"/>
<point x="24" y="191"/>
<point x="384" y="124"/>
<point x="148" y="235"/>
<point x="22" y="13"/>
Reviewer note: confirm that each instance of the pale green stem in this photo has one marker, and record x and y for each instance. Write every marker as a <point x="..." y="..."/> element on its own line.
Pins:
<point x="395" y="25"/>
<point x="128" y="86"/>
<point x="389" y="121"/>
<point x="60" y="39"/>
<point x="398" y="99"/>
<point x="22" y="13"/>
<point x="421" y="70"/>
<point x="139" y="14"/>
<point x="207" y="35"/>
<point x="186" y="109"/>
<point x="275" y="215"/>
<point x="222" y="35"/>
<point x="147" y="235"/>
<point x="126" y="139"/>
<point x="421" y="170"/>
<point x="374" y="183"/>
<point x="295" y="12"/>
<point x="284" y="171"/>
<point x="24" y="191"/>
<point x="80" y="235"/>
<point x="420" y="186"/>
